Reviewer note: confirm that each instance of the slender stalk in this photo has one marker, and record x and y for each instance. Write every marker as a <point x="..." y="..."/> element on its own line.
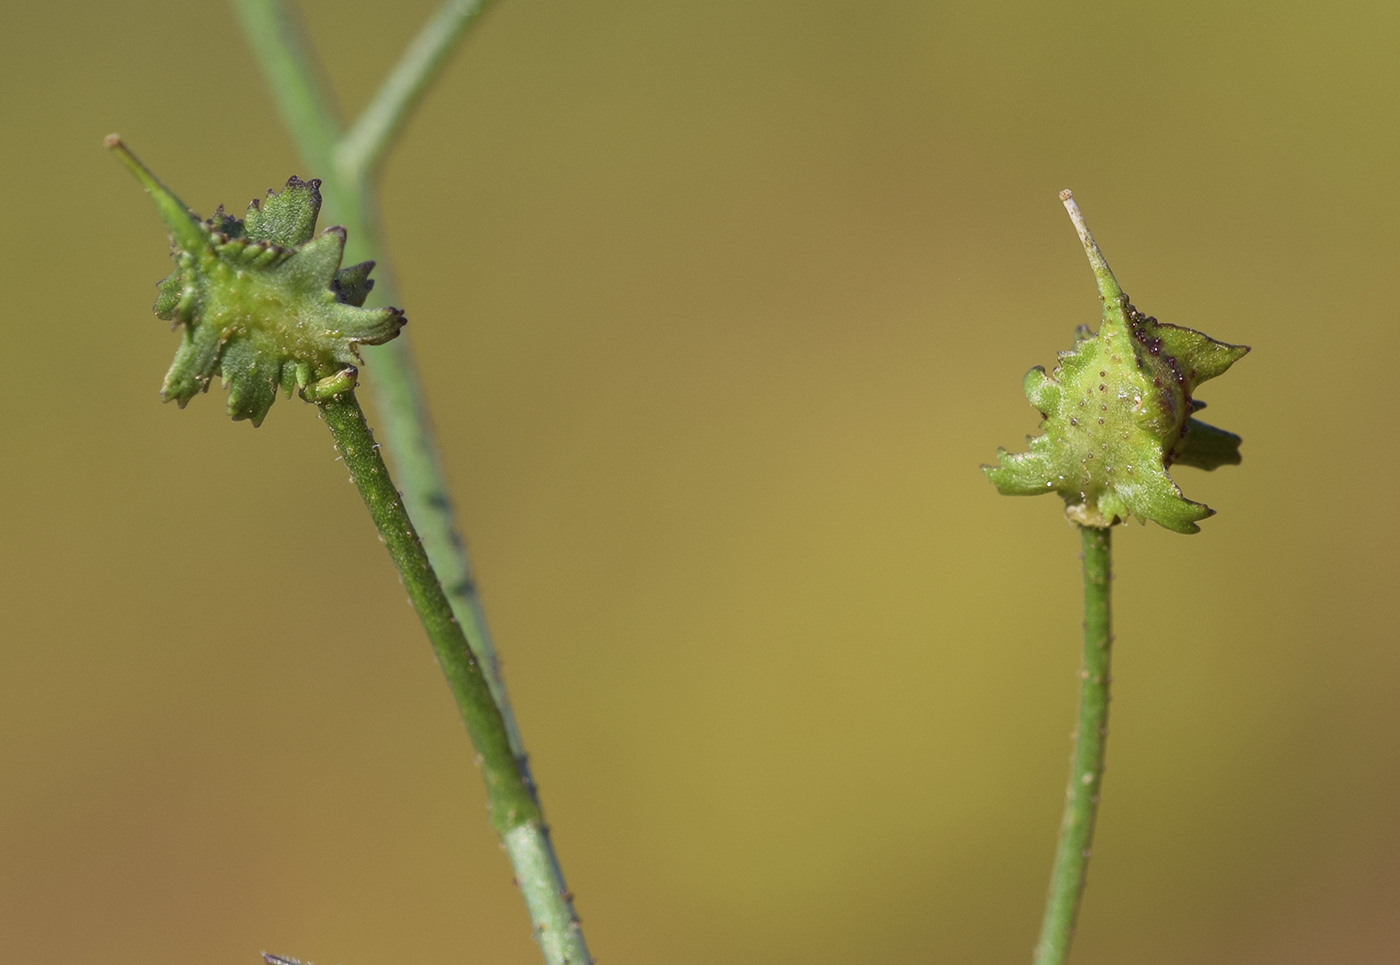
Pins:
<point x="306" y="105"/>
<point x="360" y="151"/>
<point x="278" y="38"/>
<point x="298" y="85"/>
<point x="1086" y="769"/>
<point x="515" y="814"/>
<point x="510" y="801"/>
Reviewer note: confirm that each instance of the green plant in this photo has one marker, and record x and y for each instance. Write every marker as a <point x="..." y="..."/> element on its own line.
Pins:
<point x="1117" y="415"/>
<point x="263" y="304"/>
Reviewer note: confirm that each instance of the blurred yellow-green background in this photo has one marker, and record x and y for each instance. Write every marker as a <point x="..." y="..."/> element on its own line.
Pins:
<point x="719" y="308"/>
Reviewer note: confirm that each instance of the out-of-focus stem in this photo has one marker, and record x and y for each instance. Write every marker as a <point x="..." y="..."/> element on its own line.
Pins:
<point x="298" y="88"/>
<point x="361" y="148"/>
<point x="512" y="802"/>
<point x="515" y="813"/>
<point x="275" y="32"/>
<point x="347" y="165"/>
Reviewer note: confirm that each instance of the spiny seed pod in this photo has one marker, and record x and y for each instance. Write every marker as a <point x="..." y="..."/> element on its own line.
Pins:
<point x="260" y="302"/>
<point x="1117" y="413"/>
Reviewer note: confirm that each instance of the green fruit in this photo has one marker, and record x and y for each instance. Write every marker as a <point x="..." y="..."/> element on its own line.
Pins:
<point x="1117" y="414"/>
<point x="261" y="303"/>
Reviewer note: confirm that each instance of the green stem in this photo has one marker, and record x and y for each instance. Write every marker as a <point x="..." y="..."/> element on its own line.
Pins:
<point x="278" y="38"/>
<point x="1086" y="771"/>
<point x="510" y="801"/>
<point x="515" y="813"/>
<point x="306" y="106"/>
<point x="360" y="151"/>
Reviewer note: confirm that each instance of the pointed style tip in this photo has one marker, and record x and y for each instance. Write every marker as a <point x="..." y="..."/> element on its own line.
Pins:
<point x="1103" y="275"/>
<point x="113" y="142"/>
<point x="184" y="225"/>
<point x="1077" y="216"/>
<point x="131" y="162"/>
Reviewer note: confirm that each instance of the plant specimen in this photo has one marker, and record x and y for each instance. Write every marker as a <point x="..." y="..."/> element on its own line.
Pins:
<point x="263" y="304"/>
<point x="1118" y="414"/>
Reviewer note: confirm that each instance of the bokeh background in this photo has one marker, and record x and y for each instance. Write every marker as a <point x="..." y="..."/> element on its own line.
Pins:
<point x="719" y="308"/>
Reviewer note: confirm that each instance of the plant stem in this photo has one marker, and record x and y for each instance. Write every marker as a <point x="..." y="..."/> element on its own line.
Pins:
<point x="1086" y="770"/>
<point x="362" y="147"/>
<point x="515" y="814"/>
<point x="306" y="105"/>
<point x="298" y="87"/>
<point x="278" y="38"/>
<point x="510" y="800"/>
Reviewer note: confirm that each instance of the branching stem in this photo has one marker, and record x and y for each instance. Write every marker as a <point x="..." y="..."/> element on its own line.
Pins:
<point x="347" y="165"/>
<point x="360" y="150"/>
<point x="1086" y="769"/>
<point x="278" y="39"/>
